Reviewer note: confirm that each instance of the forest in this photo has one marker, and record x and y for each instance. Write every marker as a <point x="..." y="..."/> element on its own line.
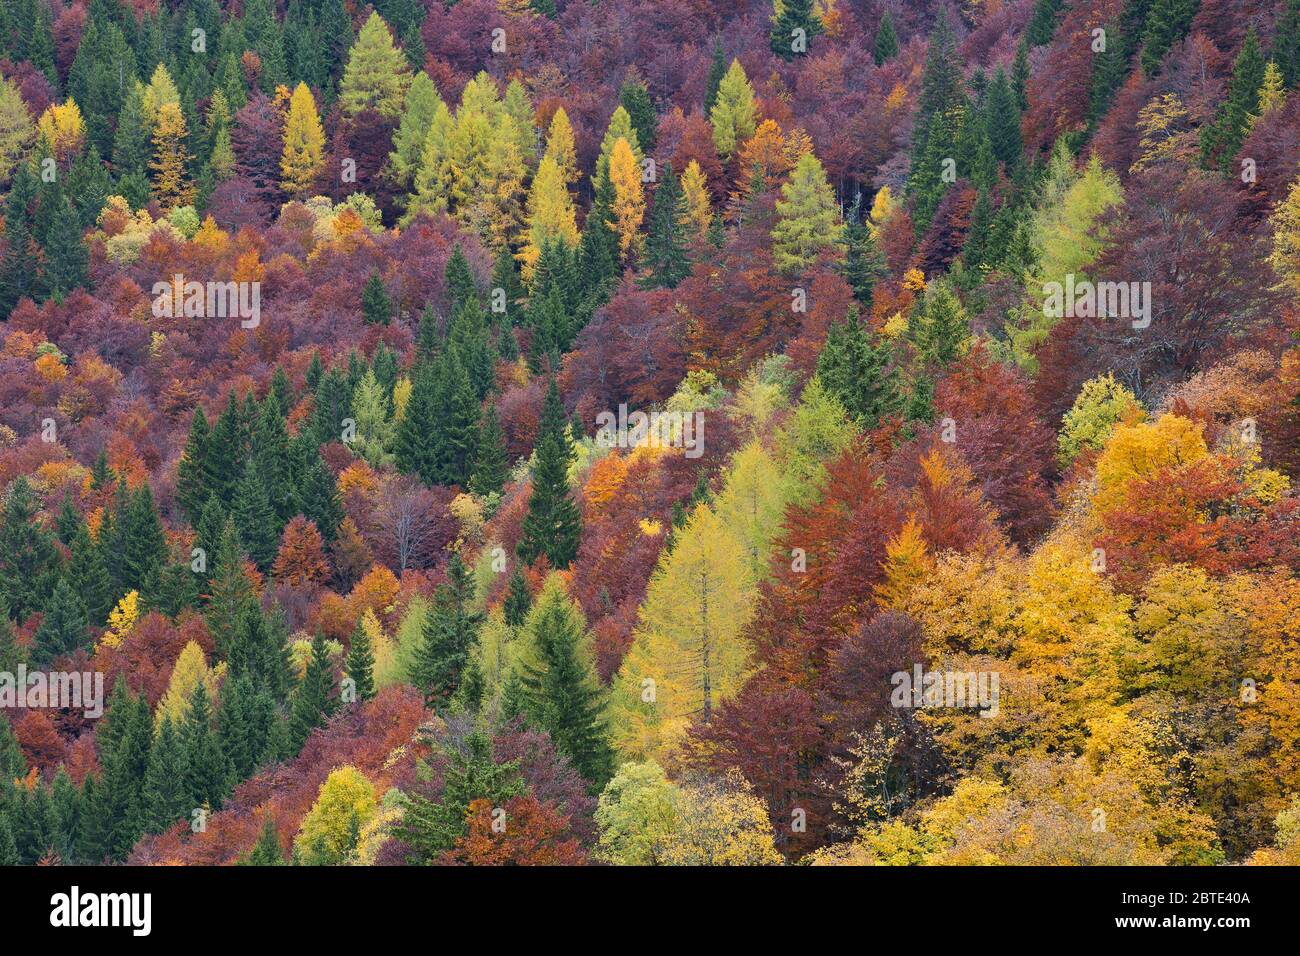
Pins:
<point x="601" y="432"/>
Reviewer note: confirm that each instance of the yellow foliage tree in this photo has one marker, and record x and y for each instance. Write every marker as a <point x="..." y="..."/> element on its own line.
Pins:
<point x="62" y="126"/>
<point x="550" y="215"/>
<point x="304" y="144"/>
<point x="171" y="187"/>
<point x="697" y="212"/>
<point x="190" y="669"/>
<point x="629" y="198"/>
<point x="121" y="619"/>
<point x="332" y="827"/>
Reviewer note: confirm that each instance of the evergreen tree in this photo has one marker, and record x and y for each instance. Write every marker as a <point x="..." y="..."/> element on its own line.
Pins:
<point x="885" y="46"/>
<point x="1167" y="23"/>
<point x="375" y="304"/>
<point x="1042" y="22"/>
<point x="229" y="590"/>
<point x="794" y="29"/>
<point x="717" y="70"/>
<point x="552" y="525"/>
<point x="461" y="287"/>
<point x="193" y="481"/>
<point x="1002" y="120"/>
<point x="560" y="692"/>
<point x="318" y="494"/>
<point x="941" y="327"/>
<point x="635" y="98"/>
<point x="491" y="464"/>
<point x="63" y="627"/>
<point x="314" y="701"/>
<point x="143" y="543"/>
<point x="1221" y="140"/>
<point x="361" y="664"/>
<point x="267" y="851"/>
<point x="1286" y="43"/>
<point x="166" y="796"/>
<point x="864" y="263"/>
<point x="448" y="636"/>
<point x="207" y="771"/>
<point x="518" y="599"/>
<point x="66" y="256"/>
<point x="88" y="575"/>
<point x="665" y="249"/>
<point x="259" y="531"/>
<point x="272" y="456"/>
<point x="115" y="806"/>
<point x="857" y="371"/>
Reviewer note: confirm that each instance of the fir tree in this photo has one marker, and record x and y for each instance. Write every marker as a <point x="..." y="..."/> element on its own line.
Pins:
<point x="193" y="481"/>
<point x="166" y="796"/>
<point x="665" y="249"/>
<point x="717" y="70"/>
<point x="448" y="636"/>
<point x="885" y="46"/>
<point x="1221" y="140"/>
<point x="1286" y="43"/>
<point x="267" y="851"/>
<point x="361" y="664"/>
<point x="857" y="371"/>
<point x="864" y="263"/>
<point x="207" y="772"/>
<point x="552" y="525"/>
<point x="491" y="464"/>
<point x="66" y="255"/>
<point x="1042" y="22"/>
<point x="1167" y="23"/>
<point x="375" y="304"/>
<point x="63" y="627"/>
<point x="794" y="29"/>
<point x="635" y="98"/>
<point x="314" y="701"/>
<point x="518" y="599"/>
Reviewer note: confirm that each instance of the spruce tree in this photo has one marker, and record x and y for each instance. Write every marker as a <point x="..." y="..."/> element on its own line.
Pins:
<point x="448" y="636"/>
<point x="491" y="464"/>
<point x="267" y="851"/>
<point x="717" y="70"/>
<point x="1167" y="23"/>
<point x="66" y="256"/>
<point x="1221" y="140"/>
<point x="665" y="249"/>
<point x="375" y="304"/>
<point x="314" y="701"/>
<point x="1286" y="43"/>
<point x="361" y="664"/>
<point x="461" y="287"/>
<point x="1042" y="22"/>
<point x="864" y="263"/>
<point x="885" y="46"/>
<point x="794" y="29"/>
<point x="207" y="772"/>
<point x="166" y="795"/>
<point x="552" y="525"/>
<point x="857" y="371"/>
<point x="1002" y="120"/>
<point x="143" y="542"/>
<point x="193" y="482"/>
<point x="635" y="98"/>
<point x="518" y="599"/>
<point x="63" y="627"/>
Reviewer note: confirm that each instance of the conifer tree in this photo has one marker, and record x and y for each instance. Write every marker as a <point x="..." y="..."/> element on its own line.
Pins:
<point x="794" y="29"/>
<point x="550" y="214"/>
<point x="361" y="664"/>
<point x="552" y="525"/>
<point x="418" y="110"/>
<point x="665" y="251"/>
<point x="885" y="46"/>
<point x="28" y="557"/>
<point x="207" y="772"/>
<point x="559" y="686"/>
<point x="1167" y="23"/>
<point x="807" y="217"/>
<point x="941" y="327"/>
<point x="259" y="531"/>
<point x="267" y="851"/>
<point x="857" y="371"/>
<point x="304" y="144"/>
<point x="171" y="184"/>
<point x="314" y="701"/>
<point x="864" y="263"/>
<point x="377" y="74"/>
<point x="63" y="627"/>
<point x="193" y="482"/>
<point x="628" y="208"/>
<point x="1221" y="140"/>
<point x="1042" y="22"/>
<point x="229" y="590"/>
<point x="717" y="70"/>
<point x="518" y="599"/>
<point x="1002" y="120"/>
<point x="66" y="255"/>
<point x="733" y="113"/>
<point x="491" y="465"/>
<point x="635" y="98"/>
<point x="375" y="304"/>
<point x="1286" y="43"/>
<point x="166" y="796"/>
<point x="143" y="543"/>
<point x="448" y="636"/>
<point x="88" y="575"/>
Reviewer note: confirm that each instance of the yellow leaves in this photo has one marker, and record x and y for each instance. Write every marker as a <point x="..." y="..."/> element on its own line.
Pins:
<point x="1140" y="450"/>
<point x="629" y="198"/>
<point x="882" y="207"/>
<point x="550" y="214"/>
<point x="560" y="146"/>
<point x="401" y="395"/>
<point x="1285" y="257"/>
<point x="1166" y="132"/>
<point x="304" y="143"/>
<point x="50" y="368"/>
<point x="650" y="527"/>
<point x="63" y="128"/>
<point x="907" y="562"/>
<point x="896" y="100"/>
<point x="895" y="326"/>
<point x="913" y="279"/>
<point x="604" y="479"/>
<point x="171" y="185"/>
<point x="344" y="807"/>
<point x="122" y="619"/>
<point x="190" y="670"/>
<point x="698" y="212"/>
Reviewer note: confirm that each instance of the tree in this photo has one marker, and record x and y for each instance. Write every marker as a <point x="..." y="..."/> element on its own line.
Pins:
<point x="732" y="115"/>
<point x="361" y="664"/>
<point x="1167" y="23"/>
<point x="17" y="131"/>
<point x="330" y="830"/>
<point x="553" y="524"/>
<point x="171" y="183"/>
<point x="628" y="208"/>
<point x="941" y="328"/>
<point x="301" y="560"/>
<point x="518" y="599"/>
<point x="794" y="28"/>
<point x="193" y="478"/>
<point x="376" y="75"/>
<point x="688" y="653"/>
<point x="314" y="702"/>
<point x="1042" y="22"/>
<point x="375" y="304"/>
<point x="856" y="366"/>
<point x="66" y="255"/>
<point x="1286" y="43"/>
<point x="304" y="144"/>
<point x="166" y="798"/>
<point x="267" y="851"/>
<point x="418" y="111"/>
<point x="807" y="217"/>
<point x="665" y="251"/>
<point x="1222" y="139"/>
<point x="559" y="687"/>
<point x="448" y="636"/>
<point x="259" y="529"/>
<point x="491" y="461"/>
<point x="550" y="214"/>
<point x="885" y="46"/>
<point x="63" y="627"/>
<point x="864" y="263"/>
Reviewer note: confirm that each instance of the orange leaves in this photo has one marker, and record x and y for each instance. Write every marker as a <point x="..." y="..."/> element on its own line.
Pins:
<point x="524" y="832"/>
<point x="301" y="561"/>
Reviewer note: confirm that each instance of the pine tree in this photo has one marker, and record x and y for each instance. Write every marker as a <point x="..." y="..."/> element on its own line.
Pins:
<point x="635" y="98"/>
<point x="552" y="525"/>
<point x="143" y="549"/>
<point x="267" y="851"/>
<point x="28" y="557"/>
<point x="1002" y="120"/>
<point x="448" y="636"/>
<point x="491" y="464"/>
<point x="560" y="690"/>
<point x="361" y="664"/>
<point x="229" y="590"/>
<point x="63" y="627"/>
<point x="88" y="576"/>
<point x="864" y="263"/>
<point x="193" y="483"/>
<point x="941" y="327"/>
<point x="665" y="250"/>
<point x="550" y="214"/>
<point x="304" y="144"/>
<point x="207" y="772"/>
<point x="314" y="701"/>
<point x="794" y="29"/>
<point x="1167" y="23"/>
<point x="885" y="46"/>
<point x="166" y="796"/>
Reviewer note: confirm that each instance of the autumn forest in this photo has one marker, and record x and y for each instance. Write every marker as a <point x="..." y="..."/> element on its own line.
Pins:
<point x="601" y="432"/>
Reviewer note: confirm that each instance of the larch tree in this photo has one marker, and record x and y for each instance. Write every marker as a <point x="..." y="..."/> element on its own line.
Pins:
<point x="304" y="144"/>
<point x="808" y="219"/>
<point x="689" y="653"/>
<point x="377" y="75"/>
<point x="733" y="114"/>
<point x="550" y="215"/>
<point x="418" y="111"/>
<point x="629" y="198"/>
<point x="697" y="209"/>
<point x="560" y="146"/>
<point x="171" y="184"/>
